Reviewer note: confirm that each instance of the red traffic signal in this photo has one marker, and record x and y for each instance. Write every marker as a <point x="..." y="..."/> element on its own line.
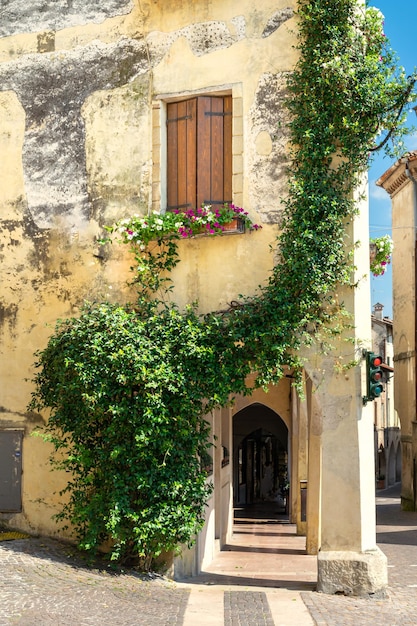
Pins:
<point x="374" y="386"/>
<point x="374" y="360"/>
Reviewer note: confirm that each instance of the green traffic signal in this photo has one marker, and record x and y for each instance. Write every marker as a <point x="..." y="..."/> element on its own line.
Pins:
<point x="373" y="375"/>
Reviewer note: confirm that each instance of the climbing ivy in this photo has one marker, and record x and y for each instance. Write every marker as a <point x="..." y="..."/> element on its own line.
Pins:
<point x="346" y="90"/>
<point x="128" y="388"/>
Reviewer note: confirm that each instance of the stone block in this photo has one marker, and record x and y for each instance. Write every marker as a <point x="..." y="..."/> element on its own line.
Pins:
<point x="353" y="573"/>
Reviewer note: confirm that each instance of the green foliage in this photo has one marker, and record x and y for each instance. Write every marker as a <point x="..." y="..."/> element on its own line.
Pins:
<point x="128" y="388"/>
<point x="153" y="241"/>
<point x="345" y="90"/>
<point x="131" y="436"/>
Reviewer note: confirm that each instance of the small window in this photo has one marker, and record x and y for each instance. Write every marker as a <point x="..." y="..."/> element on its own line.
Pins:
<point x="199" y="152"/>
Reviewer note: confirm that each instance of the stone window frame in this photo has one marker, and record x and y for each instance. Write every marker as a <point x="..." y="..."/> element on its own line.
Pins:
<point x="159" y="142"/>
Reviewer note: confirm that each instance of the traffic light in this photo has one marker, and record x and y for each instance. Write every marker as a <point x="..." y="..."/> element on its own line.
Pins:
<point x="374" y="386"/>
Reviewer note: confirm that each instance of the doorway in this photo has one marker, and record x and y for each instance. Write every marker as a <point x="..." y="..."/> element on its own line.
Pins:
<point x="260" y="469"/>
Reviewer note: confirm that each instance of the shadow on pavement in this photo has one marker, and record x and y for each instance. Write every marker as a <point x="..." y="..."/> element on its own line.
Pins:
<point x="251" y="581"/>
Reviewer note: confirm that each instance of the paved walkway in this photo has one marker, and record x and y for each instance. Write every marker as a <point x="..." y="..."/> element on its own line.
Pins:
<point x="263" y="578"/>
<point x="397" y="538"/>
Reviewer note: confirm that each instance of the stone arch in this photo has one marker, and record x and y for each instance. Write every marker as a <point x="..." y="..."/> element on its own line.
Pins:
<point x="260" y="450"/>
<point x="382" y="464"/>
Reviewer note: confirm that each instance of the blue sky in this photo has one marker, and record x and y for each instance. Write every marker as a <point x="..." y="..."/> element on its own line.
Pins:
<point x="400" y="27"/>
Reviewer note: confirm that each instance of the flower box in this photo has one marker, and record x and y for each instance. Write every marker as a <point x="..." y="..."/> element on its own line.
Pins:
<point x="237" y="225"/>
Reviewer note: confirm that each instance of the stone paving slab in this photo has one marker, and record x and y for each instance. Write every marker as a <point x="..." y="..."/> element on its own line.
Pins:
<point x="396" y="610"/>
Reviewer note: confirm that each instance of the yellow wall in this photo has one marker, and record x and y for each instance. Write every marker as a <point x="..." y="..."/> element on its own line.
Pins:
<point x="82" y="144"/>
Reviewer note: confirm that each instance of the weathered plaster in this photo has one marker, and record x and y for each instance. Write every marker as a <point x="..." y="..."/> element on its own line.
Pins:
<point x="277" y="20"/>
<point x="52" y="89"/>
<point x="77" y="139"/>
<point x="117" y="183"/>
<point x="21" y="16"/>
<point x="269" y="117"/>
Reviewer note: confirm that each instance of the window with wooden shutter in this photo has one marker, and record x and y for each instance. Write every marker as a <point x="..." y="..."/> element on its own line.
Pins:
<point x="199" y="152"/>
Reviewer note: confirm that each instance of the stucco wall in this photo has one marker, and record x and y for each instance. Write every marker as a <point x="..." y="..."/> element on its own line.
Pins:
<point x="399" y="182"/>
<point x="81" y="146"/>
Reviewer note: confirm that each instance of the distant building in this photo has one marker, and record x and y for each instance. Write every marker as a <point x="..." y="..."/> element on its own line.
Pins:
<point x="386" y="421"/>
<point x="400" y="182"/>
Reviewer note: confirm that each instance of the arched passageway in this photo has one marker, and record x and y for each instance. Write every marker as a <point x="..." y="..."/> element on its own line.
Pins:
<point x="260" y="462"/>
<point x="264" y="548"/>
<point x="398" y="463"/>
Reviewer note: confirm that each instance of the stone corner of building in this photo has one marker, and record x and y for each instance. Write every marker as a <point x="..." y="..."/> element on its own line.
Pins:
<point x="350" y="573"/>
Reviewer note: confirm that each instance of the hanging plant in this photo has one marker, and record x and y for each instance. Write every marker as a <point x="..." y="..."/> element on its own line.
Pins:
<point x="380" y="254"/>
<point x="207" y="220"/>
<point x="154" y="240"/>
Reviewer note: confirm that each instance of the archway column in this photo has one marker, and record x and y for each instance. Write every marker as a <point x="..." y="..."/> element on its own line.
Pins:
<point x="349" y="560"/>
<point x="314" y="471"/>
<point x="299" y="461"/>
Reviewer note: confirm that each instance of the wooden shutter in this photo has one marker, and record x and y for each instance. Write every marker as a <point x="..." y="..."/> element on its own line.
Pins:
<point x="199" y="152"/>
<point x="181" y="154"/>
<point x="214" y="153"/>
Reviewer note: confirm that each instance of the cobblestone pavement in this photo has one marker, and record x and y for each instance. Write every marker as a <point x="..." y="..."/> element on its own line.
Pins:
<point x="45" y="583"/>
<point x="42" y="583"/>
<point x="397" y="538"/>
<point x="239" y="604"/>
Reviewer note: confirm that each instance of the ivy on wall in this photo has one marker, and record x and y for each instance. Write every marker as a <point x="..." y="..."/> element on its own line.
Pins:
<point x="347" y="99"/>
<point x="128" y="388"/>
